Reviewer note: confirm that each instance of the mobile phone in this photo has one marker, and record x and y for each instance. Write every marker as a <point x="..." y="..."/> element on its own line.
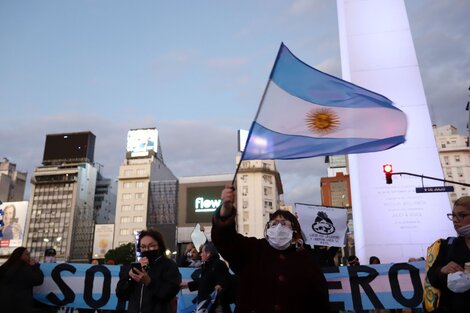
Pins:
<point x="136" y="265"/>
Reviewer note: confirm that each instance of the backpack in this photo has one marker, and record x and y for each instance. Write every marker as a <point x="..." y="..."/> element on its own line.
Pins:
<point x="431" y="295"/>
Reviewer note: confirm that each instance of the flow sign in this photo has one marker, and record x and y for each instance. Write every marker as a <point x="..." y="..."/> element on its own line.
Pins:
<point x="435" y="189"/>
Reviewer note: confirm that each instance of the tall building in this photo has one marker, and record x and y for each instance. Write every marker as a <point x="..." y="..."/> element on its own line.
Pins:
<point x="12" y="182"/>
<point x="60" y="213"/>
<point x="454" y="155"/>
<point x="105" y="200"/>
<point x="147" y="190"/>
<point x="259" y="190"/>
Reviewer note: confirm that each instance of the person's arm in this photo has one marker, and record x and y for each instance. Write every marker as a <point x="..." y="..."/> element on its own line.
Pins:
<point x="437" y="273"/>
<point x="125" y="285"/>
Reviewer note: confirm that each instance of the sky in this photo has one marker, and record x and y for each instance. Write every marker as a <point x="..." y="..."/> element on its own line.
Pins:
<point x="196" y="70"/>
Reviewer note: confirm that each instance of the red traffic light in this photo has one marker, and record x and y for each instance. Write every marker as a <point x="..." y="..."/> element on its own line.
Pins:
<point x="388" y="173"/>
<point x="388" y="168"/>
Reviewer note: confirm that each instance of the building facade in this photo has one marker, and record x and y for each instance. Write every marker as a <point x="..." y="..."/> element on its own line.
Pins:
<point x="454" y="155"/>
<point x="12" y="182"/>
<point x="259" y="190"/>
<point x="147" y="191"/>
<point x="61" y="206"/>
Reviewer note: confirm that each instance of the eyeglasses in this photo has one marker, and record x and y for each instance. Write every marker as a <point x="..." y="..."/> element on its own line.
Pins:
<point x="459" y="216"/>
<point x="149" y="247"/>
<point x="283" y="223"/>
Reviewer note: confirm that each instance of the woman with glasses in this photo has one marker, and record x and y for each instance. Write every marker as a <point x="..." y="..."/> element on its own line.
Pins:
<point x="276" y="274"/>
<point x="451" y="258"/>
<point x="152" y="286"/>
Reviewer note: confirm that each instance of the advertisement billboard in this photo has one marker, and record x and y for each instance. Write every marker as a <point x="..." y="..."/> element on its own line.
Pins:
<point x="142" y="141"/>
<point x="75" y="147"/>
<point x="201" y="202"/>
<point x="12" y="223"/>
<point x="103" y="240"/>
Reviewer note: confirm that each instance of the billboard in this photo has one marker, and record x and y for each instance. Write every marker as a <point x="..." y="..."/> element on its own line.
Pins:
<point x="141" y="141"/>
<point x="201" y="202"/>
<point x="12" y="224"/>
<point x="103" y="240"/>
<point x="71" y="147"/>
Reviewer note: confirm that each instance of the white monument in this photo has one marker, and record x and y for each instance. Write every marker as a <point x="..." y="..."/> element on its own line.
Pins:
<point x="392" y="222"/>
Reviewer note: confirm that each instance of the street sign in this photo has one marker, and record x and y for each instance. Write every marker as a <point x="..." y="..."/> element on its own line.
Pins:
<point x="435" y="189"/>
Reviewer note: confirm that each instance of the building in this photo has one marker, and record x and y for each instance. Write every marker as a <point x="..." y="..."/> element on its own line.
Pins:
<point x="61" y="206"/>
<point x="336" y="192"/>
<point x="147" y="190"/>
<point x="105" y="200"/>
<point x="198" y="198"/>
<point x="12" y="182"/>
<point x="259" y="190"/>
<point x="454" y="155"/>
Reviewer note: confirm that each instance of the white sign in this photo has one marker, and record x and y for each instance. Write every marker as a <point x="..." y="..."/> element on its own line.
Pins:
<point x="206" y="205"/>
<point x="322" y="226"/>
<point x="103" y="241"/>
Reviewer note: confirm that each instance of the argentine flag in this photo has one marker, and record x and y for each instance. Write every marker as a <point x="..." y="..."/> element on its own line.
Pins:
<point x="306" y="113"/>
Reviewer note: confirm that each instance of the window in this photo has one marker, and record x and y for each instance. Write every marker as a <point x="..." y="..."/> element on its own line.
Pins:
<point x="125" y="208"/>
<point x="125" y="219"/>
<point x="139" y="207"/>
<point x="268" y="191"/>
<point x="446" y="160"/>
<point x="124" y="232"/>
<point x="457" y="158"/>
<point x="139" y="195"/>
<point x="138" y="219"/>
<point x="127" y="172"/>
<point x="268" y="205"/>
<point x="443" y="145"/>
<point x="140" y="171"/>
<point x="460" y="171"/>
<point x="126" y="196"/>
<point x="245" y="204"/>
<point x="244" y="190"/>
<point x="127" y="185"/>
<point x="139" y="184"/>
<point x="268" y="179"/>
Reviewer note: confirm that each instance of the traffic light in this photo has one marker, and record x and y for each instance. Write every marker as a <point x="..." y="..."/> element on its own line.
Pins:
<point x="388" y="173"/>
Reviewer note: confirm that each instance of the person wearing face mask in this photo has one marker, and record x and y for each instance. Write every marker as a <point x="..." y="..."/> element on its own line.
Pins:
<point x="276" y="274"/>
<point x="153" y="287"/>
<point x="451" y="259"/>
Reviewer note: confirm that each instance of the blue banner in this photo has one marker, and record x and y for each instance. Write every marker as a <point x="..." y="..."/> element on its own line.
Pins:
<point x="384" y="286"/>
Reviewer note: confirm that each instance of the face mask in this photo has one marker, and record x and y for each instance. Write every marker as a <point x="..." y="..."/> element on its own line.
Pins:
<point x="279" y="236"/>
<point x="49" y="259"/>
<point x="464" y="231"/>
<point x="151" y="255"/>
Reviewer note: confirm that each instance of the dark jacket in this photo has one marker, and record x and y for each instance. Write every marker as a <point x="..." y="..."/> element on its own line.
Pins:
<point x="458" y="252"/>
<point x="156" y="297"/>
<point x="213" y="272"/>
<point x="270" y="280"/>
<point x="16" y="287"/>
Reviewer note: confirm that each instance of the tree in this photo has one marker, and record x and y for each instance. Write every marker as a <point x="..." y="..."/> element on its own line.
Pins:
<point x="124" y="254"/>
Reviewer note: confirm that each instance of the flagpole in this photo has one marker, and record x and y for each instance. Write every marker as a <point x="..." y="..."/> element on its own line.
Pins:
<point x="257" y="113"/>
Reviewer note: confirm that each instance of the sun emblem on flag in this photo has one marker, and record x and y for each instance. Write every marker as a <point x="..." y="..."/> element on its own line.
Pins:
<point x="322" y="121"/>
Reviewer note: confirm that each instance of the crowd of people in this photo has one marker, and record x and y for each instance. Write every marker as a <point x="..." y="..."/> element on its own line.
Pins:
<point x="277" y="273"/>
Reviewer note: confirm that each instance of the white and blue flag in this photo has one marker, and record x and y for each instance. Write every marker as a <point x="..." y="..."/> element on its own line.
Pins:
<point x="306" y="113"/>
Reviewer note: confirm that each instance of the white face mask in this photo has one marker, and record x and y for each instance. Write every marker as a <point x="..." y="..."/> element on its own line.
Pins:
<point x="464" y="231"/>
<point x="279" y="236"/>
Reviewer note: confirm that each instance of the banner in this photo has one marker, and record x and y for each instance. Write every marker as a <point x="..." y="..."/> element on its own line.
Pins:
<point x="389" y="286"/>
<point x="321" y="225"/>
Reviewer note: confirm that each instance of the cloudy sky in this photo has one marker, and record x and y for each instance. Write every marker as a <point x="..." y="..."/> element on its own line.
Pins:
<point x="196" y="70"/>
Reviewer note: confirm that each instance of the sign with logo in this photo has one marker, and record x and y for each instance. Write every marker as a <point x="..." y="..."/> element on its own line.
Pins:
<point x="321" y="225"/>
<point x="202" y="202"/>
<point x="435" y="189"/>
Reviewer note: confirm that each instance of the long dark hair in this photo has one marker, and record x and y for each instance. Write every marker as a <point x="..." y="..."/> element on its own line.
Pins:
<point x="156" y="235"/>
<point x="13" y="261"/>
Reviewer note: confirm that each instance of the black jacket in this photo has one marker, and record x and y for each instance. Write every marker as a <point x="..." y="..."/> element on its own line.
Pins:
<point x="459" y="253"/>
<point x="16" y="287"/>
<point x="213" y="272"/>
<point x="156" y="297"/>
